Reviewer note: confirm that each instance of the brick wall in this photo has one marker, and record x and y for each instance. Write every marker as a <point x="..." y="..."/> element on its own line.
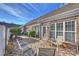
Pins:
<point x="78" y="28"/>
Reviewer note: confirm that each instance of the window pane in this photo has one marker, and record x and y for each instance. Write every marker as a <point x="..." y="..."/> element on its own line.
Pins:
<point x="70" y="36"/>
<point x="59" y="26"/>
<point x="73" y="26"/>
<point x="59" y="34"/>
<point x="70" y="26"/>
<point x="52" y="35"/>
<point x="52" y="26"/>
<point x="73" y="37"/>
<point x="44" y="31"/>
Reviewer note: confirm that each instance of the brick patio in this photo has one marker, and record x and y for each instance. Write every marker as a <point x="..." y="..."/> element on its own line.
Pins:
<point x="35" y="44"/>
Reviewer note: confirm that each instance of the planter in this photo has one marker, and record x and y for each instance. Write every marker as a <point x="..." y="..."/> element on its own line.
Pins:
<point x="10" y="45"/>
<point x="9" y="48"/>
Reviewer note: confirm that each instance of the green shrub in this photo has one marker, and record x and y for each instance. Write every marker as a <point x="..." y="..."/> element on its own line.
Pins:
<point x="16" y="31"/>
<point x="26" y="33"/>
<point x="32" y="33"/>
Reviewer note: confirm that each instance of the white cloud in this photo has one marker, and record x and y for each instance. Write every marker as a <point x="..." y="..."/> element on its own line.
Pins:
<point x="11" y="10"/>
<point x="36" y="9"/>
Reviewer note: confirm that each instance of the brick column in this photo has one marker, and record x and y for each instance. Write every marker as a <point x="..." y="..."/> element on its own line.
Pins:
<point x="78" y="28"/>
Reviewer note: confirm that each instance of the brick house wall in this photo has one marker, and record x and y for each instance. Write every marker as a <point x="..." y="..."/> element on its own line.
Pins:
<point x="66" y="13"/>
<point x="78" y="28"/>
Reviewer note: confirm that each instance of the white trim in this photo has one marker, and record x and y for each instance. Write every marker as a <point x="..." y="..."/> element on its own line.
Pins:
<point x="75" y="31"/>
<point x="41" y="31"/>
<point x="63" y="31"/>
<point x="70" y="31"/>
<point x="70" y="20"/>
<point x="55" y="30"/>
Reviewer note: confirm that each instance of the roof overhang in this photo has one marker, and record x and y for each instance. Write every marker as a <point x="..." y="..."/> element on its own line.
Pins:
<point x="69" y="10"/>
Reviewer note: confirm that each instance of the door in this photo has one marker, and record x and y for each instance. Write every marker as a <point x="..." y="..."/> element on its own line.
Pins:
<point x="2" y="41"/>
<point x="44" y="32"/>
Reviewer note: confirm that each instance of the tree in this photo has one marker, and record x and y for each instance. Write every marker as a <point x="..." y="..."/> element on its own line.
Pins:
<point x="15" y="31"/>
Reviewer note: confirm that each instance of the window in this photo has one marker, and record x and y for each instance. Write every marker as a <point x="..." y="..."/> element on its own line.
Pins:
<point x="59" y="31"/>
<point x="70" y="31"/>
<point x="64" y="29"/>
<point x="52" y="34"/>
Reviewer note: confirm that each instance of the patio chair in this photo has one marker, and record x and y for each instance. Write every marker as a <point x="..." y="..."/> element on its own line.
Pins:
<point x="59" y="41"/>
<point x="46" y="52"/>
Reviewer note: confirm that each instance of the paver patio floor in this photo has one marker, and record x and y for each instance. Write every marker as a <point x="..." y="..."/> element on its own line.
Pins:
<point x="34" y="44"/>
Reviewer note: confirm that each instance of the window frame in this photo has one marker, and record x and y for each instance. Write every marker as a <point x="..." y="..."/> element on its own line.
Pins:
<point x="75" y="30"/>
<point x="64" y="22"/>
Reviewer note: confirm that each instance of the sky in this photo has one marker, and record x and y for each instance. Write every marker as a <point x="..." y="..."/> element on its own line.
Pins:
<point x="22" y="13"/>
